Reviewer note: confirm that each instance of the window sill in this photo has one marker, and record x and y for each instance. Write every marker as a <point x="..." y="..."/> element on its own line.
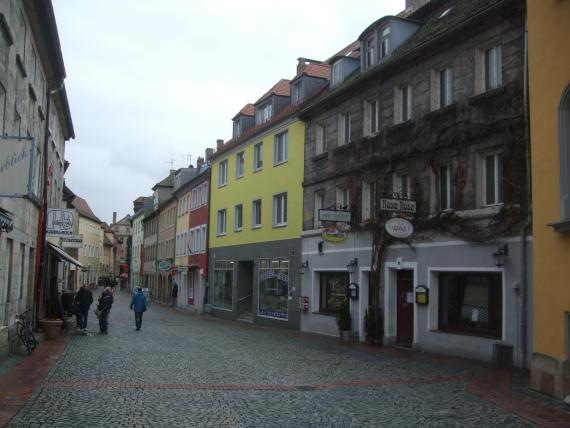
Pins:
<point x="343" y="147"/>
<point x="219" y="235"/>
<point x="488" y="94"/>
<point x="280" y="225"/>
<point x="222" y="185"/>
<point x="280" y="163"/>
<point x="562" y="226"/>
<point x="238" y="230"/>
<point x="239" y="176"/>
<point x="255" y="171"/>
<point x="256" y="227"/>
<point x="442" y="110"/>
<point x="320" y="156"/>
<point x="402" y="125"/>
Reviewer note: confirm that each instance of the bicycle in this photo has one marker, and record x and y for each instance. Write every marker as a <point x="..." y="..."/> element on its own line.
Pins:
<point x="25" y="333"/>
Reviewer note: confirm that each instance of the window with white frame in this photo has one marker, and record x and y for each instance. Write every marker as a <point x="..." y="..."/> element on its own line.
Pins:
<point x="238" y="217"/>
<point x="369" y="52"/>
<point x="321" y="140"/>
<point x="281" y="148"/>
<point x="280" y="210"/>
<point x="223" y="173"/>
<point x="203" y="228"/>
<point x="493" y="68"/>
<point x="343" y="129"/>
<point x="444" y="184"/>
<point x="258" y="156"/>
<point x="265" y="112"/>
<point x="256" y="214"/>
<point x="222" y="217"/>
<point x="205" y="193"/>
<point x="342" y="198"/>
<point x="319" y="205"/>
<point x="336" y="73"/>
<point x="384" y="43"/>
<point x="405" y="104"/>
<point x="371" y="117"/>
<point x="442" y="88"/>
<point x="402" y="184"/>
<point x="492" y="179"/>
<point x="368" y="201"/>
<point x="240" y="164"/>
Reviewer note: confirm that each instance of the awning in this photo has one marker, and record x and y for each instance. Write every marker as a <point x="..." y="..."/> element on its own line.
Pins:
<point x="6" y="223"/>
<point x="63" y="255"/>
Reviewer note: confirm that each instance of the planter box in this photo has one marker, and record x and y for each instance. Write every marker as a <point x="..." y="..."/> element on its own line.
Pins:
<point x="51" y="328"/>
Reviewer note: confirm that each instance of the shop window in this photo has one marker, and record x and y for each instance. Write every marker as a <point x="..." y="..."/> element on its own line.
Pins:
<point x="333" y="290"/>
<point x="273" y="288"/>
<point x="223" y="284"/>
<point x="471" y="303"/>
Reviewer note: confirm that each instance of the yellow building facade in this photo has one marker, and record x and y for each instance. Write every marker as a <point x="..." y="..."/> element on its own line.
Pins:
<point x="549" y="90"/>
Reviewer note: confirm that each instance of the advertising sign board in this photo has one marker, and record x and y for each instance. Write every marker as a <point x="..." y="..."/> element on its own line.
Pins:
<point x="73" y="241"/>
<point x="335" y="216"/>
<point x="60" y="221"/>
<point x="16" y="166"/>
<point x="399" y="228"/>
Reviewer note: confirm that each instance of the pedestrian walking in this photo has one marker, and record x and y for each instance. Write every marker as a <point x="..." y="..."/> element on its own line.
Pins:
<point x="138" y="304"/>
<point x="174" y="293"/>
<point x="104" y="307"/>
<point x="83" y="298"/>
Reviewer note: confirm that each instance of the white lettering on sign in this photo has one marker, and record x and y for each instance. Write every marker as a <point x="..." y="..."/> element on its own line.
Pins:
<point x="399" y="205"/>
<point x="399" y="228"/>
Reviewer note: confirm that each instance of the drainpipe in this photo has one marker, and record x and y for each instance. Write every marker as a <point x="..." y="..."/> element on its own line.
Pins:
<point x="524" y="250"/>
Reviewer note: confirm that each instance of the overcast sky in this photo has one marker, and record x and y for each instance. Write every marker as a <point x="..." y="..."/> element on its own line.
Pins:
<point x="152" y="82"/>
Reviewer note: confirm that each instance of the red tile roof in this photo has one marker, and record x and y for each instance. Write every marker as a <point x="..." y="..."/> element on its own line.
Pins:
<point x="281" y="89"/>
<point x="352" y="51"/>
<point x="322" y="71"/>
<point x="248" y="110"/>
<point x="84" y="209"/>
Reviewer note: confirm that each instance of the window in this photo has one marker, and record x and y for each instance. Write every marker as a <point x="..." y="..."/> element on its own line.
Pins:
<point x="333" y="290"/>
<point x="471" y="302"/>
<point x="442" y="88"/>
<point x="342" y="198"/>
<point x="336" y="73"/>
<point x="321" y="139"/>
<point x="2" y="106"/>
<point x="240" y="164"/>
<point x="221" y="222"/>
<point x="384" y="43"/>
<point x="222" y="173"/>
<point x="205" y="193"/>
<point x="273" y="288"/>
<point x="343" y="129"/>
<point x="402" y="185"/>
<point x="258" y="156"/>
<point x="371" y="117"/>
<point x="280" y="210"/>
<point x="445" y="187"/>
<point x="369" y="53"/>
<point x="265" y="112"/>
<point x="405" y="103"/>
<point x="256" y="214"/>
<point x="319" y="205"/>
<point x="223" y="284"/>
<point x="492" y="179"/>
<point x="493" y="68"/>
<point x="238" y="217"/>
<point x="297" y="93"/>
<point x="368" y="201"/>
<point x="281" y="148"/>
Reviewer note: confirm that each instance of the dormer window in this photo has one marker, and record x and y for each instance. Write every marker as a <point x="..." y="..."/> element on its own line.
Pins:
<point x="297" y="93"/>
<point x="369" y="49"/>
<point x="336" y="73"/>
<point x="265" y="112"/>
<point x="384" y="43"/>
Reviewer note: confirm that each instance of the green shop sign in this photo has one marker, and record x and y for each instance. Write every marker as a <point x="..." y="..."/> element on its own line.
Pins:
<point x="165" y="265"/>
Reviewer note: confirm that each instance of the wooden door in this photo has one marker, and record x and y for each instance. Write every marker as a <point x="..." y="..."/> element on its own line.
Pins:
<point x="405" y="305"/>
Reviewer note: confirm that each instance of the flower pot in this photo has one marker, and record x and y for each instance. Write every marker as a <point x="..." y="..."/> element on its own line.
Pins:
<point x="51" y="328"/>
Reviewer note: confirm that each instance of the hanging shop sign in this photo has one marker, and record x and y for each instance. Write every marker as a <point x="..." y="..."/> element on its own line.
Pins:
<point x="6" y="223"/>
<point x="60" y="222"/>
<point x="398" y="205"/>
<point x="73" y="241"/>
<point x="336" y="233"/>
<point x="165" y="265"/>
<point x="399" y="228"/>
<point x="16" y="166"/>
<point x="335" y="216"/>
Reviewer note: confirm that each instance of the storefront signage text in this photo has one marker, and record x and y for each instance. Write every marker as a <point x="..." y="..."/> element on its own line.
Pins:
<point x="399" y="228"/>
<point x="164" y="265"/>
<point x="16" y="162"/>
<point x="398" y="205"/>
<point x="335" y="216"/>
<point x="60" y="222"/>
<point x="73" y="241"/>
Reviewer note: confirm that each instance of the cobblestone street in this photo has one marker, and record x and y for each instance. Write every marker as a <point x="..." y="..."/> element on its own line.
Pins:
<point x="183" y="370"/>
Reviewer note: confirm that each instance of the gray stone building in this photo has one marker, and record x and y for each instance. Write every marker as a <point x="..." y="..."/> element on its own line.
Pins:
<point x="33" y="102"/>
<point x="425" y="129"/>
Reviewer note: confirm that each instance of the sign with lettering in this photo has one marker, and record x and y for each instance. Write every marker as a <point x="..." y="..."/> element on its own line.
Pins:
<point x="73" y="241"/>
<point x="165" y="265"/>
<point x="399" y="228"/>
<point x="60" y="222"/>
<point x="16" y="166"/>
<point x="335" y="216"/>
<point x="398" y="205"/>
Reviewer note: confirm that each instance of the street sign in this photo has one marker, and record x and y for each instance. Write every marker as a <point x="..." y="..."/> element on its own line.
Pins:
<point x="335" y="216"/>
<point x="60" y="221"/>
<point x="73" y="241"/>
<point x="398" y="205"/>
<point x="399" y="228"/>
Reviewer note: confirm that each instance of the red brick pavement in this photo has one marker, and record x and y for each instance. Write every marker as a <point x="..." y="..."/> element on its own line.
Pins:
<point x="17" y="385"/>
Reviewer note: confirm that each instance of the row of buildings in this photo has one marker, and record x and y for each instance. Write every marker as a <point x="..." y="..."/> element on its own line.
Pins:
<point x="397" y="172"/>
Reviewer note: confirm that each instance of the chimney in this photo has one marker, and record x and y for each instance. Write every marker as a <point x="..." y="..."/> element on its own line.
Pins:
<point x="219" y="144"/>
<point x="200" y="162"/>
<point x="138" y="203"/>
<point x="209" y="154"/>
<point x="300" y="65"/>
<point x="114" y="217"/>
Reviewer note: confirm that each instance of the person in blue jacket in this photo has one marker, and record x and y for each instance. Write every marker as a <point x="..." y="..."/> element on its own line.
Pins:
<point x="138" y="304"/>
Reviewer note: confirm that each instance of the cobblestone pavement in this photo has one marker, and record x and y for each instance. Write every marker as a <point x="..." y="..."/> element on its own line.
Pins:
<point x="183" y="370"/>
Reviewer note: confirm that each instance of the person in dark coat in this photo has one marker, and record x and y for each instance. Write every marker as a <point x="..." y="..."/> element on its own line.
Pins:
<point x="104" y="305"/>
<point x="174" y="294"/>
<point x="138" y="304"/>
<point x="83" y="298"/>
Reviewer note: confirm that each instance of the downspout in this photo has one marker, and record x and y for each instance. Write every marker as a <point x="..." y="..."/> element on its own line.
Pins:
<point x="524" y="231"/>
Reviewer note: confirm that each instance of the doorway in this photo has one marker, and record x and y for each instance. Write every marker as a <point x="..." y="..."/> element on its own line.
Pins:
<point x="405" y="308"/>
<point x="245" y="287"/>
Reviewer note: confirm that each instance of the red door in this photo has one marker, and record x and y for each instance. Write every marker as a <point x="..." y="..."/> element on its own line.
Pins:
<point x="405" y="315"/>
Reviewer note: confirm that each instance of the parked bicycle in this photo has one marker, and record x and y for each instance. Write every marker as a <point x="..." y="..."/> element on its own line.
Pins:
<point x="24" y="332"/>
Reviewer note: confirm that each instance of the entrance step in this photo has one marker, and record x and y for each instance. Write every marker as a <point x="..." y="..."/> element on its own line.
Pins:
<point x="246" y="317"/>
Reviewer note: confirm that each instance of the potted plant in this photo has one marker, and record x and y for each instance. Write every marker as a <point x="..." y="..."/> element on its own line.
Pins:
<point x="343" y="320"/>
<point x="370" y="325"/>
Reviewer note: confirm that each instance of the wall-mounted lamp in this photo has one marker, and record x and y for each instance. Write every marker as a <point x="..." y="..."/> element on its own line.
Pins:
<point x="353" y="290"/>
<point x="303" y="267"/>
<point x="351" y="266"/>
<point x="501" y="255"/>
<point x="321" y="247"/>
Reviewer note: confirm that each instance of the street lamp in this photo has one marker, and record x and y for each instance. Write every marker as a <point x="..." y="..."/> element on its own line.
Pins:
<point x="351" y="266"/>
<point x="500" y="256"/>
<point x="303" y="267"/>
